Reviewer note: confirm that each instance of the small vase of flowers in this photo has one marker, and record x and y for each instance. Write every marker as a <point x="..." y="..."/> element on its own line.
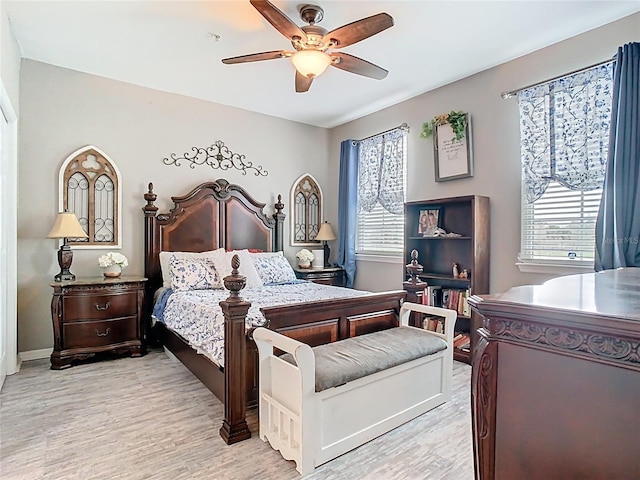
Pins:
<point x="112" y="264"/>
<point x="305" y="257"/>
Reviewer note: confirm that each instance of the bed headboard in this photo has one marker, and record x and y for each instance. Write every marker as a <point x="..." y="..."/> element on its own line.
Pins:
<point x="213" y="215"/>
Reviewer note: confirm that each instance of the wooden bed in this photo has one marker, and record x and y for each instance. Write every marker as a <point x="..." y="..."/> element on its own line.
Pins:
<point x="222" y="215"/>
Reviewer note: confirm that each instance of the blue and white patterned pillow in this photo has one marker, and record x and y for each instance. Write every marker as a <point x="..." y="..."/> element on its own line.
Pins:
<point x="273" y="269"/>
<point x="193" y="274"/>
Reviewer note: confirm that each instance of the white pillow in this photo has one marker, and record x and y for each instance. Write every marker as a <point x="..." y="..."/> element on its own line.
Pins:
<point x="222" y="261"/>
<point x="165" y="259"/>
<point x="193" y="274"/>
<point x="274" y="269"/>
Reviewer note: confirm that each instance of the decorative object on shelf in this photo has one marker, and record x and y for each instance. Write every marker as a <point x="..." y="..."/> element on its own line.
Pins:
<point x="112" y="264"/>
<point x="429" y="222"/>
<point x="305" y="257"/>
<point x="217" y="156"/>
<point x="66" y="226"/>
<point x="455" y="271"/>
<point x="451" y="145"/>
<point x="325" y="234"/>
<point x="414" y="268"/>
<point x="464" y="274"/>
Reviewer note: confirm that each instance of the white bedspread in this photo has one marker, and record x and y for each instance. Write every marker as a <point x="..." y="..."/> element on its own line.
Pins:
<point x="196" y="314"/>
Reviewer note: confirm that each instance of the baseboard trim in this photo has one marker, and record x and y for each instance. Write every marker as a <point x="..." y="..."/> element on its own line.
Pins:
<point x="34" y="355"/>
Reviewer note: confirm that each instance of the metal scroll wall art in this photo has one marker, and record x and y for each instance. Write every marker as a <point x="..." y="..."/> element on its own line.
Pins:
<point x="217" y="156"/>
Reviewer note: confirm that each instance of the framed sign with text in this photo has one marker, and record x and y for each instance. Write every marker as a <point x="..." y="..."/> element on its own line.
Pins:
<point x="453" y="158"/>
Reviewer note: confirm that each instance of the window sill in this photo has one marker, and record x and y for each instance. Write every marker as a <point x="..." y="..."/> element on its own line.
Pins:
<point x="554" y="268"/>
<point x="378" y="258"/>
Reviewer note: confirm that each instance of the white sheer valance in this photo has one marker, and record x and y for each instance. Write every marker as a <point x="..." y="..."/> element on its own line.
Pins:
<point x="380" y="173"/>
<point x="564" y="131"/>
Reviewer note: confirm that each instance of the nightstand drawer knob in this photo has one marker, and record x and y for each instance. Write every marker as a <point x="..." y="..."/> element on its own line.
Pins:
<point x="105" y="333"/>
<point x="106" y="306"/>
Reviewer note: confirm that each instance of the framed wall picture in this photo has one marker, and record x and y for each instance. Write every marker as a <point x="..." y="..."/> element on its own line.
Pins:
<point x="453" y="158"/>
<point x="429" y="221"/>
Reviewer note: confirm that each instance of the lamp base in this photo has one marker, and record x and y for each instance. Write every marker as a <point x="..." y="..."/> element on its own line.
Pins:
<point x="65" y="257"/>
<point x="327" y="252"/>
<point x="64" y="276"/>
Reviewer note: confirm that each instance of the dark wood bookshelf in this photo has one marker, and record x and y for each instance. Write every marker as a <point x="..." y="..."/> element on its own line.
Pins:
<point x="468" y="216"/>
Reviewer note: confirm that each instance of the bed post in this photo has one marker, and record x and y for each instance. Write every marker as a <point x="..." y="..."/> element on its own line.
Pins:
<point x="150" y="239"/>
<point x="234" y="427"/>
<point x="279" y="231"/>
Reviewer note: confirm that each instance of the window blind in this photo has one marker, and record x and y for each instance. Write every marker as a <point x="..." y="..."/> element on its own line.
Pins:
<point x="380" y="232"/>
<point x="560" y="225"/>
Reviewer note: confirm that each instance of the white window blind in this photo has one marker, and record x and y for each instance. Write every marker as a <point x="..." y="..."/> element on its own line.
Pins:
<point x="560" y="225"/>
<point x="380" y="232"/>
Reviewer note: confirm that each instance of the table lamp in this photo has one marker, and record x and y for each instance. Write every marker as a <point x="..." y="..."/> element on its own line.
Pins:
<point x="324" y="235"/>
<point x="66" y="226"/>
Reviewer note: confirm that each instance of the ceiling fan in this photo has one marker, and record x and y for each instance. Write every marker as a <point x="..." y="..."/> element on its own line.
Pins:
<point x="312" y="43"/>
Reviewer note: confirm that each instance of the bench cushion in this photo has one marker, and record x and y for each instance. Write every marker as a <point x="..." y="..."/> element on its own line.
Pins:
<point x="346" y="360"/>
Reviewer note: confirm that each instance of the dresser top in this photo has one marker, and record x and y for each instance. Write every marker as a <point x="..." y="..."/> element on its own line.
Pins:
<point x="99" y="281"/>
<point x="610" y="293"/>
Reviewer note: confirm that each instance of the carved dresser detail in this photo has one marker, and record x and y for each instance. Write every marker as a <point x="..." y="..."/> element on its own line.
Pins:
<point x="556" y="379"/>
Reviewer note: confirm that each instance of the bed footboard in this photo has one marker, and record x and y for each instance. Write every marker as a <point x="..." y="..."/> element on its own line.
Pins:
<point x="313" y="323"/>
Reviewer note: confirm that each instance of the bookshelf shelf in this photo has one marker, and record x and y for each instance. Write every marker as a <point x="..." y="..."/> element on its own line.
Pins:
<point x="467" y="216"/>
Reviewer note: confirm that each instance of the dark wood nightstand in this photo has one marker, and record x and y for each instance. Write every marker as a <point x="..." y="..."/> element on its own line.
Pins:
<point x="335" y="276"/>
<point x="95" y="314"/>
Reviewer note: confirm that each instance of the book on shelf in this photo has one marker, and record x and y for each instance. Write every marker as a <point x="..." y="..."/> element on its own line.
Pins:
<point x="462" y="341"/>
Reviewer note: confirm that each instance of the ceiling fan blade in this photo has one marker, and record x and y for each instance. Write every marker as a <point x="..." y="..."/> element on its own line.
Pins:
<point x="255" y="57"/>
<point x="279" y="20"/>
<point x="359" y="30"/>
<point x="303" y="83"/>
<point x="357" y="65"/>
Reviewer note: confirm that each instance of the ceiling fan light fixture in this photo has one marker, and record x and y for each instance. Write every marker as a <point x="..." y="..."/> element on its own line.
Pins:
<point x="310" y="63"/>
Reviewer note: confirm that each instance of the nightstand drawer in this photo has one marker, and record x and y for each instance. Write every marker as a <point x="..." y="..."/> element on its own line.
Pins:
<point x="99" y="334"/>
<point x="98" y="307"/>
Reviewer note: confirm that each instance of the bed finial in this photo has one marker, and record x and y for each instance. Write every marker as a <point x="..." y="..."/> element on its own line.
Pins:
<point x="279" y="205"/>
<point x="235" y="282"/>
<point x="150" y="197"/>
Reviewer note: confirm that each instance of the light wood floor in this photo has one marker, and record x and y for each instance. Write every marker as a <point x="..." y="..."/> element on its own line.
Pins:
<point x="149" y="418"/>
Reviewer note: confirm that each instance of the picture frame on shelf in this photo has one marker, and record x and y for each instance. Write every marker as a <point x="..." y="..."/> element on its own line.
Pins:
<point x="429" y="220"/>
<point x="452" y="157"/>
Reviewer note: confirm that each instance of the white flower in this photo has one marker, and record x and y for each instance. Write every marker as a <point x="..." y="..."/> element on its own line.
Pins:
<point x="113" y="258"/>
<point x="305" y="255"/>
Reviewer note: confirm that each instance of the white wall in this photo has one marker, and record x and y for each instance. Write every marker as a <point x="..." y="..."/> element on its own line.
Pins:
<point x="496" y="147"/>
<point x="63" y="110"/>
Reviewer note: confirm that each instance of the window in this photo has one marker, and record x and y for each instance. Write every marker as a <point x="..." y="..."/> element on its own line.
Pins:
<point x="306" y="211"/>
<point x="564" y="136"/>
<point x="382" y="166"/>
<point x="89" y="187"/>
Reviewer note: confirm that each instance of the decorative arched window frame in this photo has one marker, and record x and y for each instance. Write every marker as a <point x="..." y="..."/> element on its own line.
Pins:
<point x="86" y="210"/>
<point x="305" y="215"/>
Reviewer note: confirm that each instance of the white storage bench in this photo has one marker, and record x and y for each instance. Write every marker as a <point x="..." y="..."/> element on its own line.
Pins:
<point x="318" y="403"/>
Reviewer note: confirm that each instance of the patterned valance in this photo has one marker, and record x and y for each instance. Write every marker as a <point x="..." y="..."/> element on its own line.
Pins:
<point x="564" y="131"/>
<point x="380" y="174"/>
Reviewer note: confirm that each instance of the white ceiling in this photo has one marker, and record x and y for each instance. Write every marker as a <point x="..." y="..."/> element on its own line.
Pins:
<point x="171" y="46"/>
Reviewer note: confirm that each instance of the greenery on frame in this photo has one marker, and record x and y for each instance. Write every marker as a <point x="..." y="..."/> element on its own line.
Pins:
<point x="457" y="120"/>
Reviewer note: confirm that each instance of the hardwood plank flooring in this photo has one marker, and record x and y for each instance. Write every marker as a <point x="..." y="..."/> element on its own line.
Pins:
<point x="149" y="418"/>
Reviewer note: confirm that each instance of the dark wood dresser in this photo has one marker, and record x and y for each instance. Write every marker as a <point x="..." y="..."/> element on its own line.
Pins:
<point x="95" y="315"/>
<point x="556" y="379"/>
<point x="335" y="276"/>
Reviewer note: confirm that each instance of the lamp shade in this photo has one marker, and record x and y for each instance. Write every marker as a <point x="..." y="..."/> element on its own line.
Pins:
<point x="67" y="226"/>
<point x="310" y="63"/>
<point x="325" y="232"/>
